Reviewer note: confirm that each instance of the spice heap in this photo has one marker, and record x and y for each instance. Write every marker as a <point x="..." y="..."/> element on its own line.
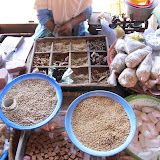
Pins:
<point x="61" y="60"/>
<point x="61" y="45"/>
<point x="98" y="59"/>
<point x="98" y="44"/>
<point x="100" y="75"/>
<point x="43" y="46"/>
<point x="100" y="123"/>
<point x="36" y="100"/>
<point x="80" y="76"/>
<point x="79" y="45"/>
<point x="41" y="60"/>
<point x="79" y="59"/>
<point x="52" y="146"/>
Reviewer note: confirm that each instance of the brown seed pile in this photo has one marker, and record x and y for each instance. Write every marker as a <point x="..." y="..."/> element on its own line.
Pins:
<point x="41" y="60"/>
<point x="79" y="45"/>
<point x="40" y="147"/>
<point x="80" y="76"/>
<point x="98" y="44"/>
<point x="43" y="46"/>
<point x="36" y="100"/>
<point x="61" y="45"/>
<point x="79" y="59"/>
<point x="100" y="123"/>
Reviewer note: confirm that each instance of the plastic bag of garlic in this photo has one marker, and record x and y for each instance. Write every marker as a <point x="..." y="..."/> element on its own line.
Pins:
<point x="137" y="47"/>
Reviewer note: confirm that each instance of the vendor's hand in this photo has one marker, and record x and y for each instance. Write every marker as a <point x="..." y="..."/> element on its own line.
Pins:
<point x="65" y="29"/>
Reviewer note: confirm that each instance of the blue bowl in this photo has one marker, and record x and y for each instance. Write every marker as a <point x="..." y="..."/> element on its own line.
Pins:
<point x="32" y="76"/>
<point x="128" y="109"/>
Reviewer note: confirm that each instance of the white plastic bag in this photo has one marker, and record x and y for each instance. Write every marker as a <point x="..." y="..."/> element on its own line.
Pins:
<point x="106" y="30"/>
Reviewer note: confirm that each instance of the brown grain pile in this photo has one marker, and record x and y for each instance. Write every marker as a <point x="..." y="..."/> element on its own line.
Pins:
<point x="41" y="60"/>
<point x="79" y="59"/>
<point x="43" y="46"/>
<point x="40" y="146"/>
<point x="36" y="101"/>
<point x="61" y="45"/>
<point x="80" y="76"/>
<point x="79" y="45"/>
<point x="100" y="123"/>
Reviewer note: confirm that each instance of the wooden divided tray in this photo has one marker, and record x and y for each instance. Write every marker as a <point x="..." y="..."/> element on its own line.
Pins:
<point x="86" y="56"/>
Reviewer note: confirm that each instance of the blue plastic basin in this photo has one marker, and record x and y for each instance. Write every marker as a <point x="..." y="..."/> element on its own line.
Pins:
<point x="128" y="109"/>
<point x="26" y="77"/>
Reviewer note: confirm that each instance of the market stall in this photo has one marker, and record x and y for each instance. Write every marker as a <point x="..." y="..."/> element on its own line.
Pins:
<point x="81" y="97"/>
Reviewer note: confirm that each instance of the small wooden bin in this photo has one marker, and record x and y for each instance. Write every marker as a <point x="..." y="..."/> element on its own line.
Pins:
<point x="86" y="56"/>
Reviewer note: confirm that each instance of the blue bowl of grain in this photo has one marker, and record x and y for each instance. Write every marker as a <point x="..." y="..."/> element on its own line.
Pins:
<point x="52" y="84"/>
<point x="98" y="128"/>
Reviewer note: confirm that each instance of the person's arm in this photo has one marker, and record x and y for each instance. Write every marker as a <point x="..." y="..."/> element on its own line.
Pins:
<point x="50" y="25"/>
<point x="66" y="28"/>
<point x="45" y="17"/>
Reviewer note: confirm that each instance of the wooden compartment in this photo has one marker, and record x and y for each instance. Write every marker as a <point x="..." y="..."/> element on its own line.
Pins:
<point x="59" y="59"/>
<point x="75" y="53"/>
<point x="78" y="45"/>
<point x="98" y="58"/>
<point x="79" y="59"/>
<point x="80" y="76"/>
<point x="41" y="59"/>
<point x="98" y="44"/>
<point x="43" y="47"/>
<point x="61" y="45"/>
<point x="99" y="75"/>
<point x="40" y="70"/>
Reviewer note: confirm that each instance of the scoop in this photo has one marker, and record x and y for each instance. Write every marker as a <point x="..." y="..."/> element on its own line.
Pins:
<point x="9" y="104"/>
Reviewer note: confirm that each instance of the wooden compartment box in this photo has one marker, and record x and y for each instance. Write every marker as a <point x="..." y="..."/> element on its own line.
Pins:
<point x="86" y="56"/>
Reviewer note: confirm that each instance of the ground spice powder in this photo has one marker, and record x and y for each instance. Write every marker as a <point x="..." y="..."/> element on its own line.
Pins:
<point x="100" y="123"/>
<point x="36" y="101"/>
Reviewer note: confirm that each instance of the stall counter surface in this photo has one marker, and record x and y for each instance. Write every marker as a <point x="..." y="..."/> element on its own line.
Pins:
<point x="72" y="95"/>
